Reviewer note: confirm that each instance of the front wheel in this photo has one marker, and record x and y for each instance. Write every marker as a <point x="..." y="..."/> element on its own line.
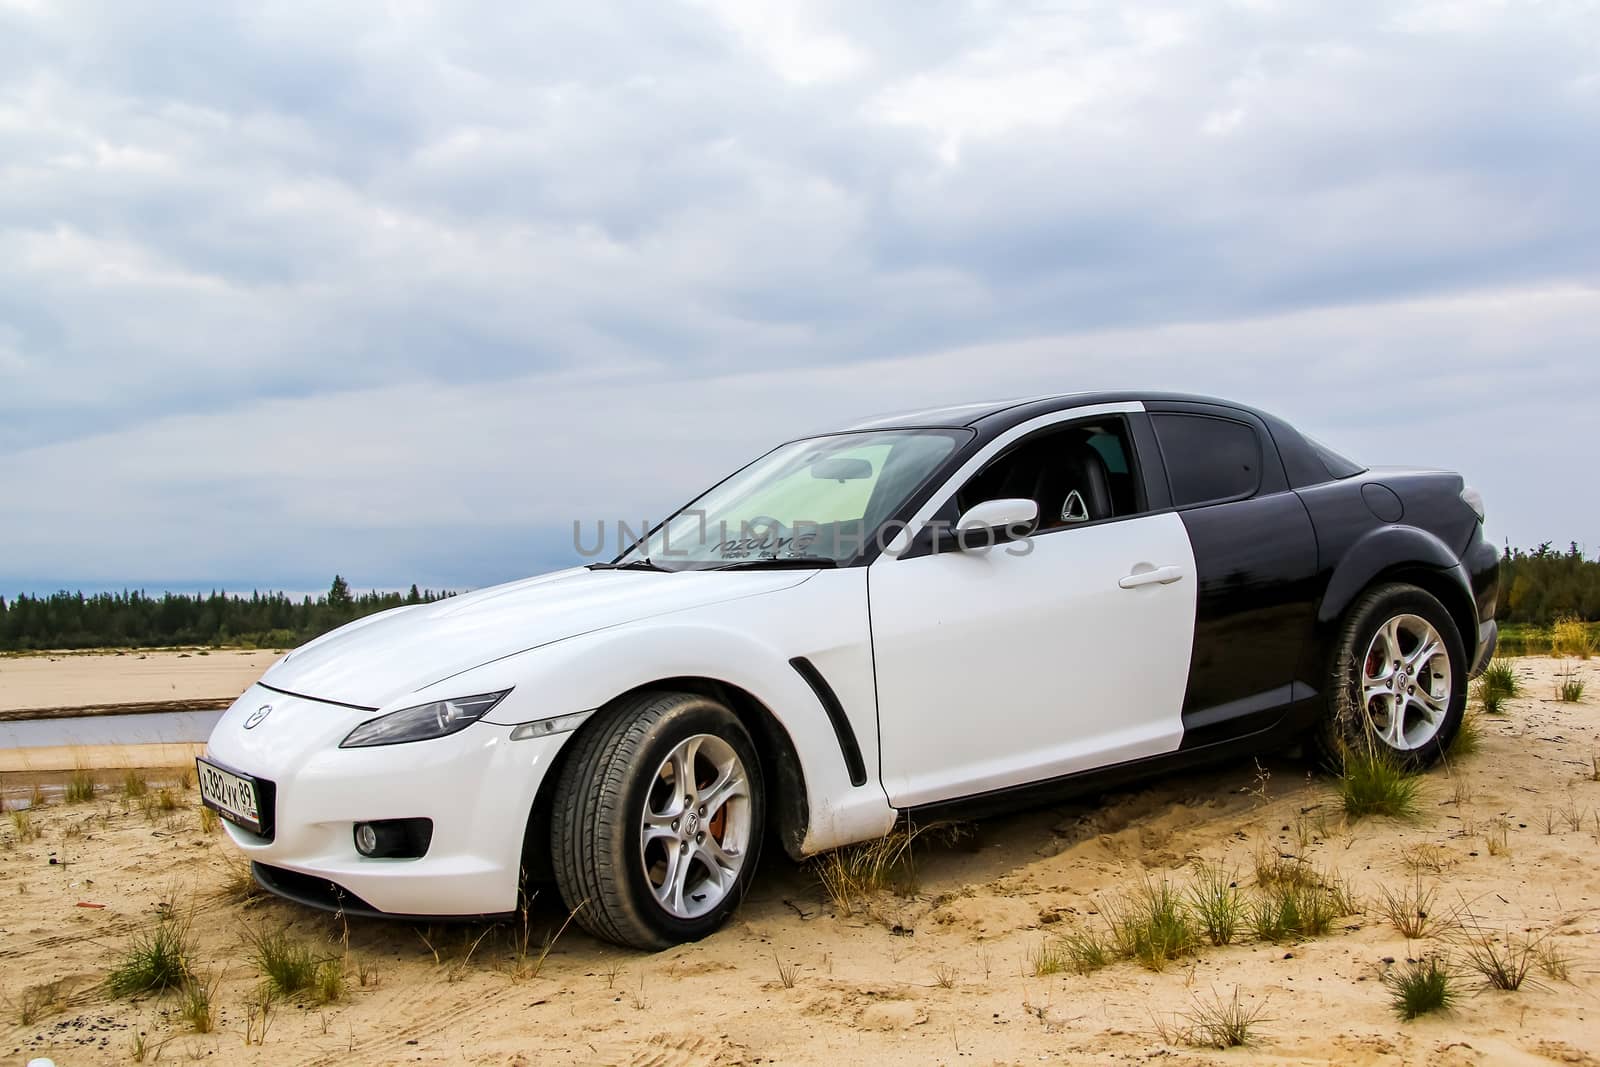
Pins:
<point x="657" y="822"/>
<point x="1399" y="678"/>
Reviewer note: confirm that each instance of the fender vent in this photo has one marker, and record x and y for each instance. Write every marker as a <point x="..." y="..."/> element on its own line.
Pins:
<point x="848" y="747"/>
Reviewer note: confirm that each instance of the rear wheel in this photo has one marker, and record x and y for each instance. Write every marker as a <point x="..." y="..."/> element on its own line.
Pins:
<point x="657" y="820"/>
<point x="1399" y="678"/>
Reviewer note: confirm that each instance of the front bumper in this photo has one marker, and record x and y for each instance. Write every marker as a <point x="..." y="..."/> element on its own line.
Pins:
<point x="477" y="786"/>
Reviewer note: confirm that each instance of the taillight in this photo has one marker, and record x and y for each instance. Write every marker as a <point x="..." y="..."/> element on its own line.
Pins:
<point x="1473" y="500"/>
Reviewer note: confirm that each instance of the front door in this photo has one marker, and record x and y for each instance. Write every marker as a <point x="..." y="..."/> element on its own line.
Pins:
<point x="1021" y="662"/>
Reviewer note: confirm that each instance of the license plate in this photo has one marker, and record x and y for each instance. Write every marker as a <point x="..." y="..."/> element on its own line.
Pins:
<point x="230" y="795"/>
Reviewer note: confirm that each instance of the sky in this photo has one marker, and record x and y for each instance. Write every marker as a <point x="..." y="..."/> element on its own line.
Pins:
<point x="403" y="290"/>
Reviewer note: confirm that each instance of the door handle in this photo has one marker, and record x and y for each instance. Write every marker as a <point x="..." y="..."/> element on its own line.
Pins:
<point x="1157" y="576"/>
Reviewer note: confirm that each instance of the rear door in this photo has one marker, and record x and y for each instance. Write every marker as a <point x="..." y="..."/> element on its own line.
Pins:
<point x="1255" y="554"/>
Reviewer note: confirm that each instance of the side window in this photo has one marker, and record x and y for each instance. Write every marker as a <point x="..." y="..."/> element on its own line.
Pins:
<point x="1208" y="458"/>
<point x="1077" y="473"/>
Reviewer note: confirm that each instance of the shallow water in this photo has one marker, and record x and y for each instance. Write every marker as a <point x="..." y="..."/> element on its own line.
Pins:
<point x="170" y="727"/>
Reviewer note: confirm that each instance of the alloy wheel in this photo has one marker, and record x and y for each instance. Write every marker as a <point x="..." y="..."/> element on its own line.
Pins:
<point x="696" y="826"/>
<point x="1406" y="682"/>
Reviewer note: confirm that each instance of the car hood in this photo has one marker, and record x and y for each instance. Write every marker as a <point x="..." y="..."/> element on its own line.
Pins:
<point x="379" y="659"/>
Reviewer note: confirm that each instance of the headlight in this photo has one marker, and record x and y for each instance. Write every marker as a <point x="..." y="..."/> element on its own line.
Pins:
<point x="423" y="722"/>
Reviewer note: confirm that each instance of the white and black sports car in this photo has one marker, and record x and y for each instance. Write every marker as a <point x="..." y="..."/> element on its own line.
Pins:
<point x="938" y="612"/>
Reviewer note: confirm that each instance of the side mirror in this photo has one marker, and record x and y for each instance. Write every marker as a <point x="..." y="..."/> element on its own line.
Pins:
<point x="994" y="522"/>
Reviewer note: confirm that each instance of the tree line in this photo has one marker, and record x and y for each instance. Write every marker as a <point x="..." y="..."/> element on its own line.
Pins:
<point x="135" y="619"/>
<point x="1536" y="588"/>
<point x="1543" y="585"/>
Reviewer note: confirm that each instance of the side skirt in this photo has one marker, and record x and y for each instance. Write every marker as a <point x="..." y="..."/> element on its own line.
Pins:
<point x="1289" y="728"/>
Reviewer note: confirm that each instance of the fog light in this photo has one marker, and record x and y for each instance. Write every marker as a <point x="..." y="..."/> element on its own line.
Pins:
<point x="394" y="839"/>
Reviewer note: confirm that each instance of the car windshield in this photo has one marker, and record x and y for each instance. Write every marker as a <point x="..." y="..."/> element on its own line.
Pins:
<point x="817" y="502"/>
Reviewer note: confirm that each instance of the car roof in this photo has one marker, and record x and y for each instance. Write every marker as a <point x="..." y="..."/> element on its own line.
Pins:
<point x="999" y="414"/>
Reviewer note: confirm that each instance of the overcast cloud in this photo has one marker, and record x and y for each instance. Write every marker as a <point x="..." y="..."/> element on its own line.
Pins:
<point x="400" y="290"/>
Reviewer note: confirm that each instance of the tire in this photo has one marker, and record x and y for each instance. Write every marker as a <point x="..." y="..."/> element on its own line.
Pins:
<point x="1367" y="684"/>
<point x="621" y="776"/>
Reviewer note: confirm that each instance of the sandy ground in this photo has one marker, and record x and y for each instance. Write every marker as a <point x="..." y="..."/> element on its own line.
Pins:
<point x="941" y="975"/>
<point x="62" y="680"/>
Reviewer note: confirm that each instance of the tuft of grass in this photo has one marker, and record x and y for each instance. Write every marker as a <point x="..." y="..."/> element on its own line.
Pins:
<point x="1273" y="868"/>
<point x="197" y="1009"/>
<point x="289" y="966"/>
<point x="852" y="875"/>
<point x="209" y="822"/>
<point x="22" y="825"/>
<point x="1086" y="950"/>
<point x="1375" y="783"/>
<point x="36" y="797"/>
<point x="1571" y="636"/>
<point x="1469" y="736"/>
<point x="1152" y="926"/>
<point x="1285" y="912"/>
<point x="1420" y="987"/>
<point x="1504" y="963"/>
<point x="39" y="1001"/>
<point x="1500" y="679"/>
<point x="944" y="976"/>
<point x="1049" y="958"/>
<point x="134" y="785"/>
<point x="1497" y="838"/>
<point x="80" y="787"/>
<point x="1216" y="903"/>
<point x="1412" y="912"/>
<point x="1426" y="858"/>
<point x="1552" y="961"/>
<point x="238" y="886"/>
<point x="155" y="960"/>
<point x="1221" y="1024"/>
<point x="1079" y="950"/>
<point x="328" y="987"/>
<point x="1569" y="687"/>
<point x="165" y="801"/>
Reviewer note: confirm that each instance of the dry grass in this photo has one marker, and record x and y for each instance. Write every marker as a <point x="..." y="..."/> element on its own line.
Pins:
<point x="1569" y="687"/>
<point x="38" y="1001"/>
<point x="1217" y="1023"/>
<point x="1504" y="961"/>
<point x="80" y="787"/>
<point x="198" y="1009"/>
<point x="210" y="823"/>
<point x="1570" y="636"/>
<point x="1413" y="912"/>
<point x="852" y="875"/>
<point x="1469" y="736"/>
<point x="134" y="785"/>
<point x="22" y="827"/>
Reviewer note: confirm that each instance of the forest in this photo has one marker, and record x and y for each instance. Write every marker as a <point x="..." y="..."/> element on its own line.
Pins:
<point x="135" y="619"/>
<point x="1536" y="588"/>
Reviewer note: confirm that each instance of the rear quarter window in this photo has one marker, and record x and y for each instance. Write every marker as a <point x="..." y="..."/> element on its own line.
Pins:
<point x="1208" y="458"/>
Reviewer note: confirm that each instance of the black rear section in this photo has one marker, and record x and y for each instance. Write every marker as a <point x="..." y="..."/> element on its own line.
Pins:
<point x="1279" y="566"/>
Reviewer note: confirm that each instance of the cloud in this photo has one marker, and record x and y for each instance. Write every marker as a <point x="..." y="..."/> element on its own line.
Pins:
<point x="296" y="281"/>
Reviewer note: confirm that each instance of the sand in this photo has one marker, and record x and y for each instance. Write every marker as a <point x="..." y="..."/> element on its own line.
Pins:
<point x="941" y="975"/>
<point x="63" y="680"/>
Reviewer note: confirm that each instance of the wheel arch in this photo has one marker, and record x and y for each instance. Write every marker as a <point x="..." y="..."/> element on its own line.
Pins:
<point x="788" y="807"/>
<point x="1398" y="554"/>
